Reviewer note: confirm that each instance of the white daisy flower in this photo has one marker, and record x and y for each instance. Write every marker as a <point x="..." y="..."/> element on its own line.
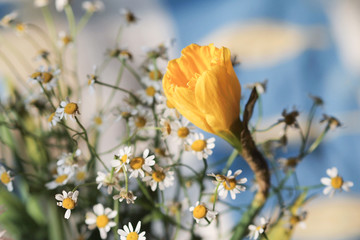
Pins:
<point x="229" y="184"/>
<point x="95" y="6"/>
<point x="60" y="5"/>
<point x="256" y="230"/>
<point x="295" y="219"/>
<point x="165" y="108"/>
<point x="335" y="182"/>
<point x="6" y="179"/>
<point x="122" y="159"/>
<point x="62" y="177"/>
<point x="128" y="16"/>
<point x="142" y="123"/>
<point x="128" y="233"/>
<point x="140" y="164"/>
<point x="106" y="180"/>
<point x="162" y="177"/>
<point x="68" y="160"/>
<point x="260" y="86"/>
<point x="53" y="119"/>
<point x="166" y="127"/>
<point x="199" y="146"/>
<point x="200" y="211"/>
<point x="80" y="174"/>
<point x="149" y="94"/>
<point x="125" y="112"/>
<point x="92" y="78"/>
<point x="41" y="3"/>
<point x="125" y="195"/>
<point x="67" y="109"/>
<point x="101" y="219"/>
<point x="67" y="201"/>
<point x="64" y="39"/>
<point x="48" y="77"/>
<point x="181" y="130"/>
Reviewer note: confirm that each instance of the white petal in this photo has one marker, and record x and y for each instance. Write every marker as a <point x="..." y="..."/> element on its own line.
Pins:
<point x="332" y="172"/>
<point x="326" y="181"/>
<point x="67" y="214"/>
<point x="59" y="197"/>
<point x="138" y="226"/>
<point x="103" y="233"/>
<point x="98" y="209"/>
<point x="131" y="227"/>
<point x="112" y="214"/>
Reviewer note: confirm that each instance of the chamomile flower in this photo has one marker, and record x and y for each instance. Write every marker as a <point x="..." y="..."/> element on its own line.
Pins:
<point x="6" y="179"/>
<point x="105" y="179"/>
<point x="200" y="211"/>
<point x="256" y="230"/>
<point x="166" y="127"/>
<point x="125" y="195"/>
<point x="335" y="182"/>
<point x="47" y="77"/>
<point x="61" y="178"/>
<point x="66" y="109"/>
<point x="91" y="79"/>
<point x="230" y="184"/>
<point x="53" y="119"/>
<point x="122" y="159"/>
<point x="42" y="54"/>
<point x="165" y="108"/>
<point x="68" y="201"/>
<point x="128" y="16"/>
<point x="181" y="130"/>
<point x="64" y="39"/>
<point x="60" y="5"/>
<point x="68" y="160"/>
<point x="162" y="177"/>
<point x="294" y="219"/>
<point x="128" y="233"/>
<point x="101" y="218"/>
<point x="125" y="112"/>
<point x="140" y="164"/>
<point x="200" y="146"/>
<point x="80" y="174"/>
<point x="150" y="92"/>
<point x="95" y="6"/>
<point x="141" y="122"/>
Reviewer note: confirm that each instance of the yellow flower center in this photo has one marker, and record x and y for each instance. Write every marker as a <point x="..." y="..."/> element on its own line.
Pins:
<point x="168" y="104"/>
<point x="35" y="75"/>
<point x="198" y="145"/>
<point x="61" y="178"/>
<point x="126" y="54"/>
<point x="155" y="75"/>
<point x="124" y="158"/>
<point x="80" y="175"/>
<point x="68" y="203"/>
<point x="140" y="122"/>
<point x="294" y="220"/>
<point x="125" y="114"/>
<point x="102" y="221"/>
<point x="98" y="120"/>
<point x="337" y="182"/>
<point x="230" y="184"/>
<point x="46" y="76"/>
<point x="136" y="163"/>
<point x="199" y="211"/>
<point x="183" y="132"/>
<point x="160" y="151"/>
<point x="66" y="40"/>
<point x="5" y="178"/>
<point x="150" y="91"/>
<point x="132" y="236"/>
<point x="167" y="128"/>
<point x="20" y="27"/>
<point x="51" y="117"/>
<point x="71" y="108"/>
<point x="158" y="176"/>
<point x="258" y="228"/>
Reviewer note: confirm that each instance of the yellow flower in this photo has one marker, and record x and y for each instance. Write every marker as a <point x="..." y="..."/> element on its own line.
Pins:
<point x="203" y="87"/>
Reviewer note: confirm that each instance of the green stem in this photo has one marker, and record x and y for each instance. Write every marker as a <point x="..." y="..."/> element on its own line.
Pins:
<point x="117" y="88"/>
<point x="118" y="79"/>
<point x="83" y="21"/>
<point x="71" y="20"/>
<point x="230" y="161"/>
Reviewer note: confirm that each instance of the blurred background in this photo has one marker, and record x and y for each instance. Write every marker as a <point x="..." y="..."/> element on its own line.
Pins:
<point x="301" y="47"/>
